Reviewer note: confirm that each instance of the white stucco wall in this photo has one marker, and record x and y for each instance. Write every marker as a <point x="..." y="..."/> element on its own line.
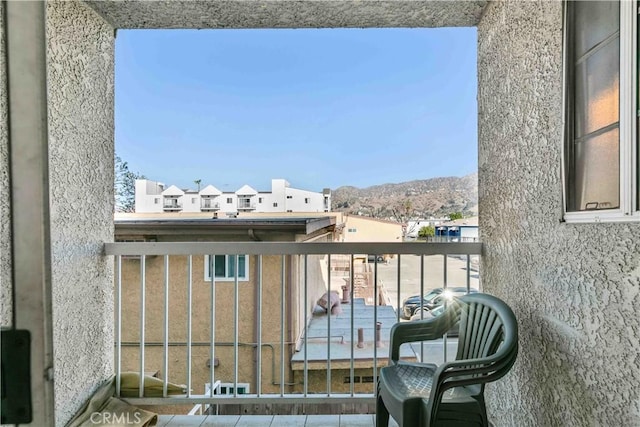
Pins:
<point x="575" y="288"/>
<point x="5" y="208"/>
<point x="81" y="151"/>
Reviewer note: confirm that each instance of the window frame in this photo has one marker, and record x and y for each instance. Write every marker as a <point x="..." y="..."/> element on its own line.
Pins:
<point x="629" y="209"/>
<point x="226" y="278"/>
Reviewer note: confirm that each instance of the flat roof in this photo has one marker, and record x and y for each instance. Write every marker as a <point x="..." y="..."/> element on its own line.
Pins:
<point x="341" y="344"/>
<point x="156" y="225"/>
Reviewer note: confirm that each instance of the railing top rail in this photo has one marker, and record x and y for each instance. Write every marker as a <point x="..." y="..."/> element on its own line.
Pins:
<point x="253" y="399"/>
<point x="292" y="248"/>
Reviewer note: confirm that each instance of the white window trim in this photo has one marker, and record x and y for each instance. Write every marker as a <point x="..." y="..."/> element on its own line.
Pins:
<point x="629" y="168"/>
<point x="207" y="273"/>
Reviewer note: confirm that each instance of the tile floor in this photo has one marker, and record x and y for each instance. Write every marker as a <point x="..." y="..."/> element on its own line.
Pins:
<point x="268" y="421"/>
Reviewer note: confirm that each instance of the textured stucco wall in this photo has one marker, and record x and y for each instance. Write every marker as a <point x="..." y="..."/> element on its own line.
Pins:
<point x="575" y="288"/>
<point x="288" y="13"/>
<point x="80" y="48"/>
<point x="5" y="208"/>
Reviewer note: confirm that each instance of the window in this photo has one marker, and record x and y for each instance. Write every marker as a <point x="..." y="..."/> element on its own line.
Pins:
<point x="225" y="267"/>
<point x="229" y="200"/>
<point x="289" y="197"/>
<point x="306" y="200"/>
<point x="601" y="142"/>
<point x="275" y="204"/>
<point x="351" y="230"/>
<point x="228" y="388"/>
<point x="156" y="200"/>
<point x="244" y="202"/>
<point x="259" y="199"/>
<point x="193" y="200"/>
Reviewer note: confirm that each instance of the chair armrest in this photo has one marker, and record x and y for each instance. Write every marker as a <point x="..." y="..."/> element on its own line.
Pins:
<point x="422" y="330"/>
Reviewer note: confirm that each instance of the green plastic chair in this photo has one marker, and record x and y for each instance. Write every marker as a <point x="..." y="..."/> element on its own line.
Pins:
<point x="451" y="394"/>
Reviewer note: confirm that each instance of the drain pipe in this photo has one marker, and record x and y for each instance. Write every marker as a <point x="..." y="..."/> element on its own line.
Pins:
<point x="360" y="337"/>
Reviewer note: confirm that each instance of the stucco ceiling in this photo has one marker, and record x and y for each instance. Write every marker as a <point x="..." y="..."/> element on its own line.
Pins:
<point x="288" y="13"/>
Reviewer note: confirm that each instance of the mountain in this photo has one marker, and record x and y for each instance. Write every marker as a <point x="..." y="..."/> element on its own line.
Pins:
<point x="412" y="199"/>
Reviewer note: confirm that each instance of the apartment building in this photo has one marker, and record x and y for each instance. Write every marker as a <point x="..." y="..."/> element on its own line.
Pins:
<point x="153" y="196"/>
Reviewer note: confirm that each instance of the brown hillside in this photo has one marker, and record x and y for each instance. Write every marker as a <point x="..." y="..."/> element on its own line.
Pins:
<point x="420" y="198"/>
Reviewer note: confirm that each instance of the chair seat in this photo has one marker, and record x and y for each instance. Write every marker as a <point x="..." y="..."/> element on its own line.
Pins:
<point x="414" y="380"/>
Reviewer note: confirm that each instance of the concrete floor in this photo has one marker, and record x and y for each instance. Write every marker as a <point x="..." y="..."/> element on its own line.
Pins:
<point x="268" y="421"/>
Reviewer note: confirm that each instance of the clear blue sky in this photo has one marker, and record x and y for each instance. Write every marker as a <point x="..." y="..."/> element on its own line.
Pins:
<point x="320" y="108"/>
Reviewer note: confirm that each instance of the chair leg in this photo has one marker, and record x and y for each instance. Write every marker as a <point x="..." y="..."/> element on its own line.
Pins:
<point x="382" y="414"/>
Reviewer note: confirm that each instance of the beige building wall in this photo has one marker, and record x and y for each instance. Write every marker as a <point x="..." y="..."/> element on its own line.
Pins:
<point x="340" y="380"/>
<point x="364" y="229"/>
<point x="200" y="321"/>
<point x="271" y="318"/>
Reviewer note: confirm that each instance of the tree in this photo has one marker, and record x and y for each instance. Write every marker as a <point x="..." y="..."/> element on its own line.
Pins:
<point x="125" y="186"/>
<point x="197" y="182"/>
<point x="403" y="212"/>
<point x="427" y="231"/>
<point x="455" y="215"/>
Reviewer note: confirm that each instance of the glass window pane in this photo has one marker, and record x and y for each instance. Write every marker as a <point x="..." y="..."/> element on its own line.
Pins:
<point x="231" y="263"/>
<point x="595" y="21"/>
<point x="597" y="102"/>
<point x="597" y="172"/>
<point x="241" y="266"/>
<point x="219" y="265"/>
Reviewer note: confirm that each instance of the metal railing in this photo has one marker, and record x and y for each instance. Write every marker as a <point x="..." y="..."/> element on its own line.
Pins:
<point x="209" y="204"/>
<point x="168" y="309"/>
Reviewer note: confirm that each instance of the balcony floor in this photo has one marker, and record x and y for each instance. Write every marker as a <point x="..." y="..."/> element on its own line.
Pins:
<point x="268" y="420"/>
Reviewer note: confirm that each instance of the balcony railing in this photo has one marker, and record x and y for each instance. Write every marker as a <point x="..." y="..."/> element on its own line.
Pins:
<point x="171" y="204"/>
<point x="207" y="204"/>
<point x="246" y="205"/>
<point x="262" y="330"/>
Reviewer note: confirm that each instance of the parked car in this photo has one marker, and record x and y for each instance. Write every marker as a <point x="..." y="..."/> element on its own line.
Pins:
<point x="375" y="258"/>
<point x="430" y="314"/>
<point x="431" y="300"/>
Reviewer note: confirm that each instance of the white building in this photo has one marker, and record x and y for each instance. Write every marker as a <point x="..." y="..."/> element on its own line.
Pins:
<point x="152" y="196"/>
<point x="414" y="225"/>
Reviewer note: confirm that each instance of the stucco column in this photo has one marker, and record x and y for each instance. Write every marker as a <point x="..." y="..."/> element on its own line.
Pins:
<point x="80" y="89"/>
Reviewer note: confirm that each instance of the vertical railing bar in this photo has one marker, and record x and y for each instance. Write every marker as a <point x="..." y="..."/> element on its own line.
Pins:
<point x="282" y="322"/>
<point x="259" y="332"/>
<point x="444" y="338"/>
<point x="306" y="314"/>
<point x="212" y="322"/>
<point x="468" y="273"/>
<point x="351" y="295"/>
<point x="118" y="331"/>
<point x="189" y="312"/>
<point x="329" y="324"/>
<point x="375" y="322"/>
<point x="236" y="326"/>
<point x="142" y="316"/>
<point x="398" y="307"/>
<point x="445" y="272"/>
<point x="422" y="303"/>
<point x="165" y="339"/>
